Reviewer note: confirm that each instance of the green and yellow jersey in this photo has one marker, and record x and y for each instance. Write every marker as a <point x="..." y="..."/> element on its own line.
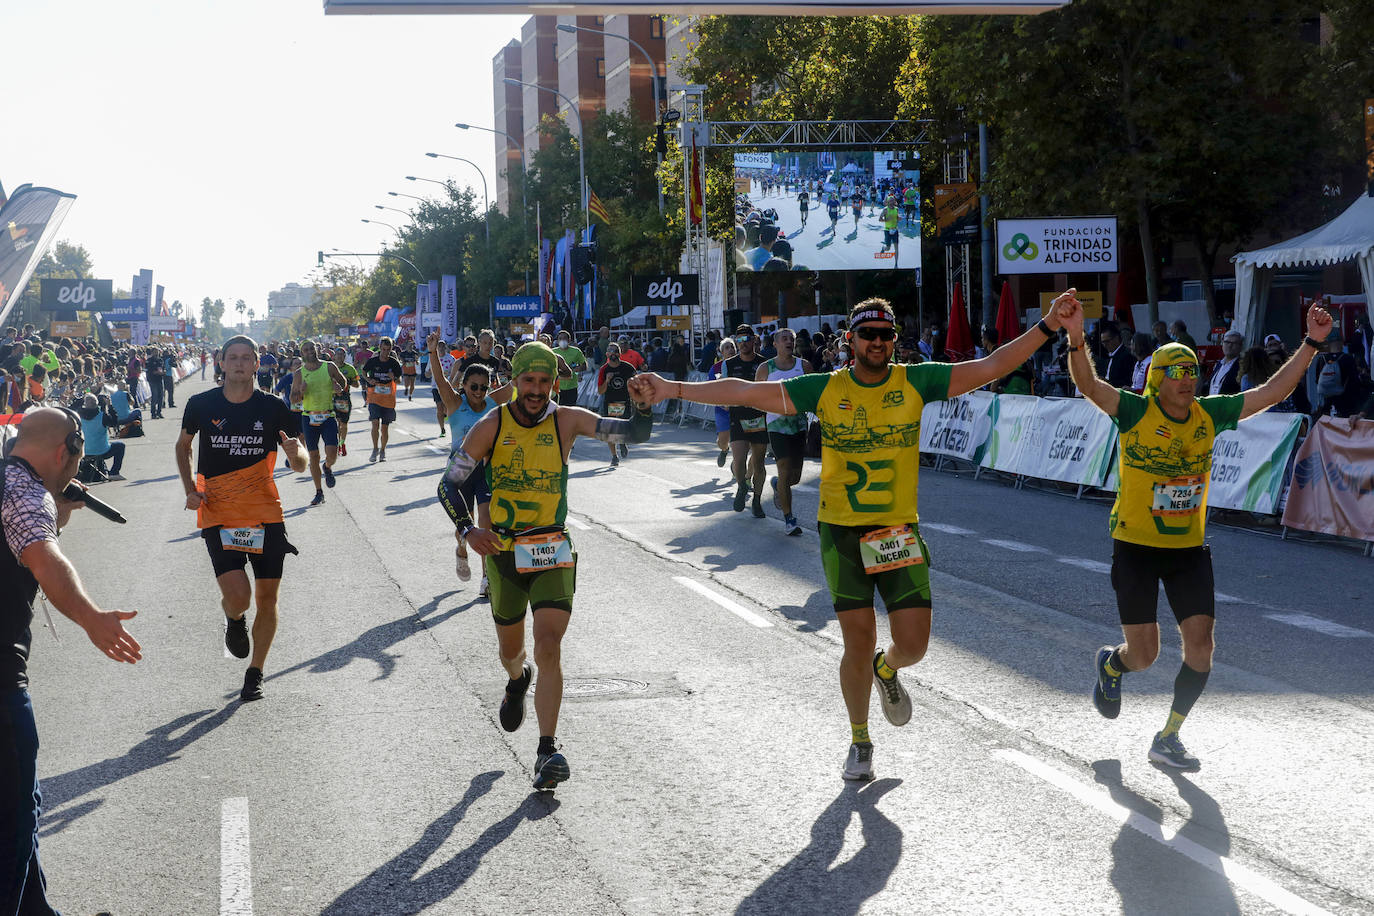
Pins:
<point x="870" y="439"/>
<point x="575" y="360"/>
<point x="527" y="475"/>
<point x="1165" y="468"/>
<point x="319" y="390"/>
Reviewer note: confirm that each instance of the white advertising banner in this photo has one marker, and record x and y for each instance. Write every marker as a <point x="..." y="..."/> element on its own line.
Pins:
<point x="142" y="290"/>
<point x="1063" y="439"/>
<point x="959" y="427"/>
<point x="162" y="323"/>
<point x="1248" y="462"/>
<point x="1071" y="441"/>
<point x="1012" y="416"/>
<point x="1057" y="245"/>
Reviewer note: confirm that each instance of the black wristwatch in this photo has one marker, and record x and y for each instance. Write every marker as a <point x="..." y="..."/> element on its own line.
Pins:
<point x="1317" y="345"/>
<point x="1044" y="328"/>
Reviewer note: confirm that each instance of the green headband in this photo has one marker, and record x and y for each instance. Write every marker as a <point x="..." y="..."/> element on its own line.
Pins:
<point x="534" y="357"/>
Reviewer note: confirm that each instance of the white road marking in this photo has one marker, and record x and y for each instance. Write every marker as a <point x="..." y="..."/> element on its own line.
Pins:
<point x="578" y="524"/>
<point x="1237" y="874"/>
<point x="436" y="449"/>
<point x="945" y="529"/>
<point x="235" y="866"/>
<point x="737" y="609"/>
<point x="1084" y="563"/>
<point x="1229" y="599"/>
<point x="1325" y="627"/>
<point x="1014" y="545"/>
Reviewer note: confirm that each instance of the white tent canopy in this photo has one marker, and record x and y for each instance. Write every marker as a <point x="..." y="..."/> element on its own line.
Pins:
<point x="1348" y="237"/>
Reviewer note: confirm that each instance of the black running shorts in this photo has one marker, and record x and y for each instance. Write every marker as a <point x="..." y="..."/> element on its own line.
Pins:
<point x="1137" y="571"/>
<point x="788" y="446"/>
<point x="266" y="565"/>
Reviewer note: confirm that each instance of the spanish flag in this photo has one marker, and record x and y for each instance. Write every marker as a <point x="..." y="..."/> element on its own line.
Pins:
<point x="596" y="208"/>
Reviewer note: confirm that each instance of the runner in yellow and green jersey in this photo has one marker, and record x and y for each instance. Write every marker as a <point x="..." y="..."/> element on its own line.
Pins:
<point x="343" y="401"/>
<point x="314" y="385"/>
<point x="1159" y="518"/>
<point x="870" y="417"/>
<point x="530" y="560"/>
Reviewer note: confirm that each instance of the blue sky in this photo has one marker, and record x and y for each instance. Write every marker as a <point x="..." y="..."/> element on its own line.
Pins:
<point x="221" y="143"/>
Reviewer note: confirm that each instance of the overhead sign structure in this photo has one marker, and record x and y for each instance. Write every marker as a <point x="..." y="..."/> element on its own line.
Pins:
<point x="700" y="7"/>
<point x="1057" y="245"/>
<point x="956" y="213"/>
<point x="82" y="295"/>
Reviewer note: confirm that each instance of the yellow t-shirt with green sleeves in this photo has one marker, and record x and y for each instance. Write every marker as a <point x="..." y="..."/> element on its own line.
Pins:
<point x="527" y="475"/>
<point x="870" y="439"/>
<point x="1165" y="468"/>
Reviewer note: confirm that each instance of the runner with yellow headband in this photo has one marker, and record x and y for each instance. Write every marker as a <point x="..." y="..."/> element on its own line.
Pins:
<point x="1158" y="520"/>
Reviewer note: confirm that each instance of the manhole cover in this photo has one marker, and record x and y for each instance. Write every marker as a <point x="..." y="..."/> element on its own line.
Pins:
<point x="601" y="686"/>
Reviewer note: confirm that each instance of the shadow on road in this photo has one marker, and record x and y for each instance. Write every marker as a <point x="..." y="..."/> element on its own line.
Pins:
<point x="428" y="472"/>
<point x="810" y="884"/>
<point x="1152" y="879"/>
<point x="398" y="887"/>
<point x="161" y="746"/>
<point x="429" y="499"/>
<point x="373" y="645"/>
<point x="813" y="616"/>
<point x="139" y="483"/>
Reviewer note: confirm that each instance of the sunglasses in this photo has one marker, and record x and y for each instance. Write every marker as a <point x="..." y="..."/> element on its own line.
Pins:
<point x="479" y="387"/>
<point x="1182" y="370"/>
<point x="876" y="333"/>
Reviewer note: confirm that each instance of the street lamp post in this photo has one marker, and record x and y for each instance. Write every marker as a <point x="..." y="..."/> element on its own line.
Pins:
<point x="581" y="141"/>
<point x="653" y="84"/>
<point x="377" y="222"/>
<point x="399" y="194"/>
<point x="524" y="175"/>
<point x="392" y="209"/>
<point x="486" y="201"/>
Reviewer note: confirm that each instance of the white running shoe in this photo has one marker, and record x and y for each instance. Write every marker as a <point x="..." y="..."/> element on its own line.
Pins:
<point x="484" y="591"/>
<point x="858" y="766"/>
<point x="464" y="570"/>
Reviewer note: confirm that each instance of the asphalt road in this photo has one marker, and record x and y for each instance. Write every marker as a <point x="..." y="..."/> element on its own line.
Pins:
<point x="703" y="721"/>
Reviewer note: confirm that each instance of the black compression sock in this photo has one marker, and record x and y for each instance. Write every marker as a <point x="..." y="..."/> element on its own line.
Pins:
<point x="546" y="745"/>
<point x="1187" y="688"/>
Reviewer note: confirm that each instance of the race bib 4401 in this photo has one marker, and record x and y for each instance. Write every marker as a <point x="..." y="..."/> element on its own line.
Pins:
<point x="890" y="548"/>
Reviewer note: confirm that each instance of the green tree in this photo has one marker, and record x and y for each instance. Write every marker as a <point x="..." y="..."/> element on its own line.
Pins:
<point x="212" y="318"/>
<point x="1185" y="119"/>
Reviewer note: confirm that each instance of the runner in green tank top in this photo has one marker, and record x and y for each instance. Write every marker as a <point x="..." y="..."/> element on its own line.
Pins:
<point x="314" y="386"/>
<point x="530" y="560"/>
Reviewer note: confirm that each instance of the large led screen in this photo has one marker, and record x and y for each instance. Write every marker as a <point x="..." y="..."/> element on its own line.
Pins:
<point x="827" y="210"/>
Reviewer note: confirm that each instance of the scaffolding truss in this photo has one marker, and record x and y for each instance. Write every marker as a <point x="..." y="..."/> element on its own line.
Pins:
<point x="814" y="134"/>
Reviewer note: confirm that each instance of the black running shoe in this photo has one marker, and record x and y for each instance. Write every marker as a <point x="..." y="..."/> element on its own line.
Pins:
<point x="757" y="508"/>
<point x="720" y="459"/>
<point x="624" y="451"/>
<point x="319" y="498"/>
<point x="1107" y="690"/>
<point x="236" y="636"/>
<point x="252" y="685"/>
<point x="328" y="476"/>
<point x="741" y="494"/>
<point x="513" y="703"/>
<point x="550" y="770"/>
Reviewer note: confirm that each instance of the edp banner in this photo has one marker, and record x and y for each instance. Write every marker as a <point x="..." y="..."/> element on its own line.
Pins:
<point x="1333" y="481"/>
<point x="1248" y="463"/>
<point x="448" y="308"/>
<point x="958" y="427"/>
<point x="72" y="295"/>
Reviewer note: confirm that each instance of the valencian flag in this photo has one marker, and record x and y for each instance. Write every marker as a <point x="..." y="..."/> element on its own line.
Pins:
<point x="596" y="208"/>
<point x="28" y="222"/>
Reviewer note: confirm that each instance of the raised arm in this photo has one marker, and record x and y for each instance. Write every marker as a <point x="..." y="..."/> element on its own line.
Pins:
<point x="452" y="399"/>
<point x="1081" y="369"/>
<point x="967" y="376"/>
<point x="770" y="397"/>
<point x="1281" y="384"/>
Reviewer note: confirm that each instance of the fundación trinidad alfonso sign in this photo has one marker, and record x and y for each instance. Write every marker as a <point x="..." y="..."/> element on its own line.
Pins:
<point x="696" y="7"/>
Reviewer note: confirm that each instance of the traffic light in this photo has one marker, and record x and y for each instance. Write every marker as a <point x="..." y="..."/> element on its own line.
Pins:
<point x="584" y="263"/>
<point x="660" y="141"/>
<point x="320" y="261"/>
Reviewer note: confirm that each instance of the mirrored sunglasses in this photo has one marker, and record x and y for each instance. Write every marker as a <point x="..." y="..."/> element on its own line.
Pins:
<point x="1182" y="370"/>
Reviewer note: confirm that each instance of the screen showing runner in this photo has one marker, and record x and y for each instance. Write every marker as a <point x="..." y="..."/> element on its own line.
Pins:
<point x="827" y="210"/>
